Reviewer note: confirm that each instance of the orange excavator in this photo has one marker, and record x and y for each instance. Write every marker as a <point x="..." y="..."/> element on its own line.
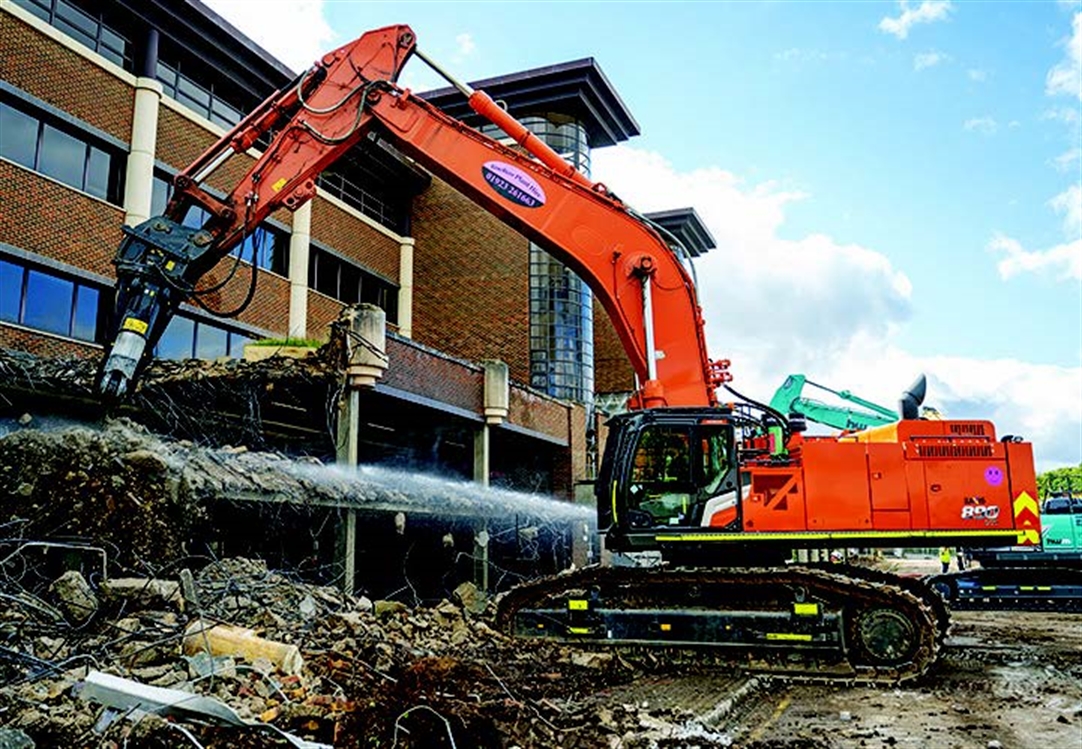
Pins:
<point x="722" y="492"/>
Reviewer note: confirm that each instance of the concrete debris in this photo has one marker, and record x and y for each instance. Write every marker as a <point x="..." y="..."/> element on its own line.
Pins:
<point x="74" y="596"/>
<point x="135" y="699"/>
<point x="354" y="673"/>
<point x="12" y="739"/>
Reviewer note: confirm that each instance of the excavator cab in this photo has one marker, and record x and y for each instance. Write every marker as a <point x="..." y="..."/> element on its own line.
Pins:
<point x="668" y="469"/>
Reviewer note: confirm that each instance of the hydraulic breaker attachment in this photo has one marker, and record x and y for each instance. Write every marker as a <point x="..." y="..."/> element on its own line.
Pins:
<point x="157" y="267"/>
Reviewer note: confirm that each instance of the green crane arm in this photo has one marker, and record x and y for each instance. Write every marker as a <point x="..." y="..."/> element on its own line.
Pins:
<point x="789" y="399"/>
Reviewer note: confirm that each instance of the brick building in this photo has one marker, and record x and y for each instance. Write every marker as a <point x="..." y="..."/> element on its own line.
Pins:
<point x="103" y="101"/>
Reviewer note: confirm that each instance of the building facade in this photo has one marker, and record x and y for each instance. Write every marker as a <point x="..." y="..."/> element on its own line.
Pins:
<point x="103" y="101"/>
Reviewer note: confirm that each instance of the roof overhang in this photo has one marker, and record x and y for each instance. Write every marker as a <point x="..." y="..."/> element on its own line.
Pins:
<point x="576" y="89"/>
<point x="688" y="228"/>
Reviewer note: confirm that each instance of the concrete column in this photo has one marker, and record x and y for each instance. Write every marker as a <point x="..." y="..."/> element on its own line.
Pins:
<point x="139" y="179"/>
<point x="367" y="362"/>
<point x="497" y="391"/>
<point x="348" y="437"/>
<point x="300" y="240"/>
<point x="497" y="396"/>
<point x="367" y="345"/>
<point x="480" y="559"/>
<point x="405" y="287"/>
<point x="480" y="455"/>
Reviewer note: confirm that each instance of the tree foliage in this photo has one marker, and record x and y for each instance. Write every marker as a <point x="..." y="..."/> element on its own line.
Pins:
<point x="1067" y="479"/>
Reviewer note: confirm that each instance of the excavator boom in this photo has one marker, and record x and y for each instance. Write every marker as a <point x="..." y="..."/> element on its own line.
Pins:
<point x="349" y="95"/>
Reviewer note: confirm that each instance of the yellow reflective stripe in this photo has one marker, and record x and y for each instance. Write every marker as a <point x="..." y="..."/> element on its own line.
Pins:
<point x="1044" y="587"/>
<point x="804" y="536"/>
<point x="790" y="636"/>
<point x="988" y="587"/>
<point x="1027" y="587"/>
<point x="135" y="325"/>
<point x="614" y="503"/>
<point x="666" y="627"/>
<point x="805" y="609"/>
<point x="579" y="630"/>
<point x="578" y="605"/>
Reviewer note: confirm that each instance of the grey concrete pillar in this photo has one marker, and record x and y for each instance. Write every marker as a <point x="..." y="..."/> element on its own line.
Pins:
<point x="497" y="391"/>
<point x="139" y="178"/>
<point x="367" y="361"/>
<point x="497" y="398"/>
<point x="367" y="344"/>
<point x="405" y="287"/>
<point x="300" y="240"/>
<point x="480" y="559"/>
<point x="480" y="455"/>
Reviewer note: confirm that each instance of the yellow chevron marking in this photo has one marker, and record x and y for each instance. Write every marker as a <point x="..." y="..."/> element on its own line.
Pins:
<point x="1025" y="502"/>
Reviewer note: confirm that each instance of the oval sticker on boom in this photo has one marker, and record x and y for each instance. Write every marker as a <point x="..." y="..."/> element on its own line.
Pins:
<point x="513" y="183"/>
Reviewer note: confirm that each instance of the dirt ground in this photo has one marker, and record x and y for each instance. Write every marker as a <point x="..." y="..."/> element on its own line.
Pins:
<point x="1009" y="677"/>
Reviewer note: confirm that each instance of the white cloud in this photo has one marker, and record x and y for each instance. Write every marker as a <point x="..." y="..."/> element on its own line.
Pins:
<point x="784" y="292"/>
<point x="296" y="31"/>
<point x="978" y="75"/>
<point x="927" y="60"/>
<point x="1042" y="403"/>
<point x="1066" y="77"/>
<point x="983" y="125"/>
<point x="1069" y="203"/>
<point x="1066" y="115"/>
<point x="1067" y="160"/>
<point x="1065" y="259"/>
<point x="927" y="12"/>
<point x="465" y="47"/>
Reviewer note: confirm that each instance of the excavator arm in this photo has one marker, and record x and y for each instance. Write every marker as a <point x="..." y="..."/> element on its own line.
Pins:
<point x="351" y="94"/>
<point x="790" y="399"/>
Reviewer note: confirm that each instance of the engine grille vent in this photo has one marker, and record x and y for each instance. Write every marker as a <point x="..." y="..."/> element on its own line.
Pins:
<point x="973" y="428"/>
<point x="954" y="451"/>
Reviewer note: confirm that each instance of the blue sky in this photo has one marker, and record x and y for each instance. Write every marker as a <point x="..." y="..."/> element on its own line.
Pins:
<point x="895" y="187"/>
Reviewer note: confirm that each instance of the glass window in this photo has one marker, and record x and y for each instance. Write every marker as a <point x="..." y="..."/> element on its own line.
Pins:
<point x="48" y="303"/>
<point x="97" y="173"/>
<point x="160" y="190"/>
<point x="349" y="290"/>
<point x="211" y="341"/>
<point x="39" y="8"/>
<point x="178" y="340"/>
<point x="326" y="276"/>
<point x="11" y="291"/>
<point x="85" y="322"/>
<point x="62" y="156"/>
<point x="18" y="136"/>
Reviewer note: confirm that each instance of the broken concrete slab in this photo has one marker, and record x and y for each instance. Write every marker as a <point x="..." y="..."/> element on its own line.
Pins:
<point x="74" y="596"/>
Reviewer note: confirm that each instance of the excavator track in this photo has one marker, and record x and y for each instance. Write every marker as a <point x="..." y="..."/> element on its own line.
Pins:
<point x="795" y="624"/>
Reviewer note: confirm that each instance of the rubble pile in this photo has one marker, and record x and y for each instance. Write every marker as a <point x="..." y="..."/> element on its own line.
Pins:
<point x="368" y="674"/>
